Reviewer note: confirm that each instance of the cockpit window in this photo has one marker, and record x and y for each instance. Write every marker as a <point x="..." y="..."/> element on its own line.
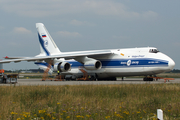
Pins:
<point x="153" y="51"/>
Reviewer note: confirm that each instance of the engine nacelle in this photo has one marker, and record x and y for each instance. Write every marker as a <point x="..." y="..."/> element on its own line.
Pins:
<point x="62" y="67"/>
<point x="93" y="65"/>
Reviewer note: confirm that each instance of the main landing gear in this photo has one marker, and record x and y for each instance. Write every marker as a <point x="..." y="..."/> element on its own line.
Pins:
<point x="147" y="79"/>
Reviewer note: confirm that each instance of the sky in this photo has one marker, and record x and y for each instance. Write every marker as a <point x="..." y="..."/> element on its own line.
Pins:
<point x="77" y="25"/>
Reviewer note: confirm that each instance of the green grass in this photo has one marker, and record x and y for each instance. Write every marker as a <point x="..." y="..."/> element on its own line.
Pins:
<point x="96" y="102"/>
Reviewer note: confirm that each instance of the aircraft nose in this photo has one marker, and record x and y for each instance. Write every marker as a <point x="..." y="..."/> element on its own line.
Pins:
<point x="171" y="64"/>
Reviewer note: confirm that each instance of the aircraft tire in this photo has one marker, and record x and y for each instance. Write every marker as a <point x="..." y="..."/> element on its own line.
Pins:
<point x="147" y="79"/>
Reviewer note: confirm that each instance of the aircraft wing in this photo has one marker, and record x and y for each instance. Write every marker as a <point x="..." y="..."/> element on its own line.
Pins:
<point x="13" y="57"/>
<point x="61" y="55"/>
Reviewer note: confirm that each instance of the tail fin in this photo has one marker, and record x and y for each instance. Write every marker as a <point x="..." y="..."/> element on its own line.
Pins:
<point x="47" y="44"/>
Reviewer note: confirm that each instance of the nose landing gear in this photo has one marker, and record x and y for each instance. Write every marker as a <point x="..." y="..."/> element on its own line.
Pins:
<point x="156" y="78"/>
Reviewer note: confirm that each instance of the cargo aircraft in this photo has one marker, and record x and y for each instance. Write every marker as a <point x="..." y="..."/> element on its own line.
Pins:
<point x="99" y="64"/>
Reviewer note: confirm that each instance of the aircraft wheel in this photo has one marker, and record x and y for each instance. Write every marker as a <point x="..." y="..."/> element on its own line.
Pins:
<point x="145" y="79"/>
<point x="150" y="79"/>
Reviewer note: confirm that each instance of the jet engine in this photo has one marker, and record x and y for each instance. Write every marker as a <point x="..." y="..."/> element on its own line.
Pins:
<point x="93" y="65"/>
<point x="62" y="66"/>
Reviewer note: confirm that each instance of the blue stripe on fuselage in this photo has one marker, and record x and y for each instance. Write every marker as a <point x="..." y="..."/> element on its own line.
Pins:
<point x="120" y="63"/>
<point x="134" y="63"/>
<point x="127" y="63"/>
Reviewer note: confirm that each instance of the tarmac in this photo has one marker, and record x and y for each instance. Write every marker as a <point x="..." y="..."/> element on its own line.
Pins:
<point x="32" y="82"/>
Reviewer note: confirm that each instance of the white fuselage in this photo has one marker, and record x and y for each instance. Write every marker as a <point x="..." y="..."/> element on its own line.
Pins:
<point x="128" y="62"/>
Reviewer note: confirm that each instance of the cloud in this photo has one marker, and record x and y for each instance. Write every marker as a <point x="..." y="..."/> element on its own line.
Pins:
<point x="68" y="34"/>
<point x="44" y="8"/>
<point x="80" y="23"/>
<point x="76" y="22"/>
<point x="108" y="8"/>
<point x="21" y="30"/>
<point x="149" y="15"/>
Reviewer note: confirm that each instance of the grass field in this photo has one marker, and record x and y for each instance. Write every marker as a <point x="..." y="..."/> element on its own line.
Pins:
<point x="90" y="102"/>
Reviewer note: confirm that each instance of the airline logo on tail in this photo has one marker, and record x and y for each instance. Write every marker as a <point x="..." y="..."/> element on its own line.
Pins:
<point x="45" y="43"/>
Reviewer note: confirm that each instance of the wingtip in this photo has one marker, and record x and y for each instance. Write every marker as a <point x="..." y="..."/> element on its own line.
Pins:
<point x="6" y="57"/>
